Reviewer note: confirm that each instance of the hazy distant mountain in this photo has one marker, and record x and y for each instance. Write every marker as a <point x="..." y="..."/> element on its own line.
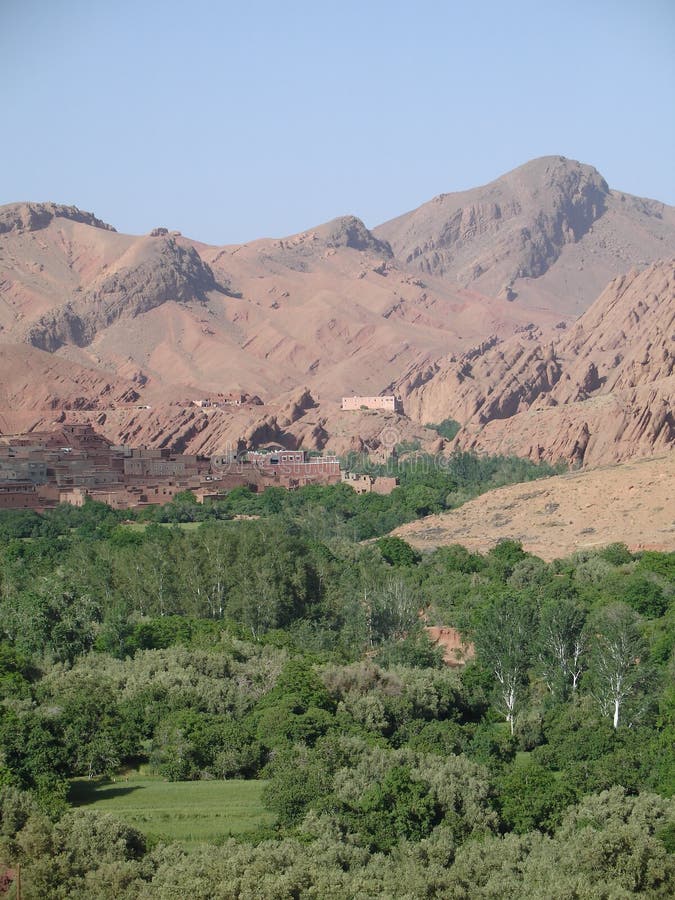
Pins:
<point x="550" y="233"/>
<point x="130" y="329"/>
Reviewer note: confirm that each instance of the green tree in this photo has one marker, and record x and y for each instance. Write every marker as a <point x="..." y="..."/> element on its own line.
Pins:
<point x="503" y="638"/>
<point x="447" y="429"/>
<point x="397" y="552"/>
<point x="618" y="671"/>
<point x="395" y="808"/>
<point x="298" y="778"/>
<point x="531" y="796"/>
<point x="394" y="609"/>
<point x="561" y="646"/>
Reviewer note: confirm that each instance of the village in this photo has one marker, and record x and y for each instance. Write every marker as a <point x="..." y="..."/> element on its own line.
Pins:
<point x="41" y="469"/>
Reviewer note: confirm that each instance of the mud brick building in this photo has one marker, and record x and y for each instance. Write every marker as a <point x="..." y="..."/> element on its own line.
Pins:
<point x="73" y="462"/>
<point x="388" y="403"/>
<point x="370" y="484"/>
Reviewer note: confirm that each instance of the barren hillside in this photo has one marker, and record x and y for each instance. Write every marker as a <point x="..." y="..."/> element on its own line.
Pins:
<point x="327" y="310"/>
<point x="633" y="503"/>
<point x="548" y="234"/>
<point x="467" y="306"/>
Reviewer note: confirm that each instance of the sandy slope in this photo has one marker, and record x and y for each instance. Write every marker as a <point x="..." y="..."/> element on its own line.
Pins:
<point x="633" y="502"/>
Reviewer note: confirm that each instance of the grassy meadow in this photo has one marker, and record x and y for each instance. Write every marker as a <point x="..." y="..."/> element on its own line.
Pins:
<point x="189" y="812"/>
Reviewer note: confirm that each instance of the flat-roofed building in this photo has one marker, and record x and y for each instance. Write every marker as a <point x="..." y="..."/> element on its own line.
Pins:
<point x="389" y="403"/>
<point x="370" y="484"/>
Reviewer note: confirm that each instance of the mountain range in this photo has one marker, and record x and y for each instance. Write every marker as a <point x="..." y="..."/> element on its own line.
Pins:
<point x="537" y="311"/>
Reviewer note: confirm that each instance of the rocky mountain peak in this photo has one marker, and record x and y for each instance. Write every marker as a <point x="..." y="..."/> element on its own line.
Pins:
<point x="349" y="231"/>
<point x="35" y="216"/>
<point x="554" y="170"/>
<point x="512" y="228"/>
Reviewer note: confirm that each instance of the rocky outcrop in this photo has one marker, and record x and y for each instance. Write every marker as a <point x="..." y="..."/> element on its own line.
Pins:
<point x="625" y="339"/>
<point x="299" y="252"/>
<point x="169" y="272"/>
<point x="268" y="431"/>
<point x="35" y="216"/>
<point x="296" y="407"/>
<point x="608" y="428"/>
<point x="495" y="382"/>
<point x="278" y="427"/>
<point x="36" y="386"/>
<point x="599" y="392"/>
<point x="348" y="231"/>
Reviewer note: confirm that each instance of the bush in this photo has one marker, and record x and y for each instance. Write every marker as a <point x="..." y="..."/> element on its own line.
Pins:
<point x="398" y="552"/>
<point x="447" y="429"/>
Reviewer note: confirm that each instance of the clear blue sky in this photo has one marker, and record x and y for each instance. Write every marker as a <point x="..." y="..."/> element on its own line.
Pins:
<point x="231" y="121"/>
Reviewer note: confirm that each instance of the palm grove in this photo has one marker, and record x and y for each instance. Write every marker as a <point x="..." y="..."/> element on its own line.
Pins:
<point x="284" y="648"/>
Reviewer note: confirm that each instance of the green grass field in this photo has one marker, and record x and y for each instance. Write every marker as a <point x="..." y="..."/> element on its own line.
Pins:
<point x="186" y="811"/>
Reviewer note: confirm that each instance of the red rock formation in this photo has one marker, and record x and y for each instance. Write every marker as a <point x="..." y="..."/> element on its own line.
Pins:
<point x="137" y="327"/>
<point x="599" y="392"/>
